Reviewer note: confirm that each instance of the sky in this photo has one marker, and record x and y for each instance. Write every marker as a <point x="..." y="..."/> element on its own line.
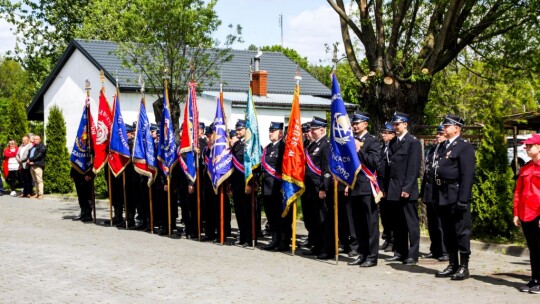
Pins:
<point x="307" y="26"/>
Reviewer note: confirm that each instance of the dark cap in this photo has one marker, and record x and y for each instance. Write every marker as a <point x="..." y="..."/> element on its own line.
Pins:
<point x="201" y="125"/>
<point x="452" y="120"/>
<point x="400" y="117"/>
<point x="208" y="130"/>
<point x="388" y="128"/>
<point x="440" y="129"/>
<point x="359" y="117"/>
<point x="305" y="127"/>
<point x="153" y="127"/>
<point x="318" y="122"/>
<point x="129" y="128"/>
<point x="241" y="123"/>
<point x="232" y="133"/>
<point x="276" y="125"/>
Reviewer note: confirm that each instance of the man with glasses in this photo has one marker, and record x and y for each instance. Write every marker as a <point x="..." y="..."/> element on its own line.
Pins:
<point x="402" y="191"/>
<point x="454" y="178"/>
<point x="437" y="250"/>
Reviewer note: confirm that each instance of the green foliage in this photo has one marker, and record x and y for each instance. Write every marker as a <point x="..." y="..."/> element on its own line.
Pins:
<point x="493" y="189"/>
<point x="56" y="175"/>
<point x="100" y="185"/>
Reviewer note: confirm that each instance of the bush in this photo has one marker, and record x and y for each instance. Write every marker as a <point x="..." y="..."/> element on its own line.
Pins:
<point x="492" y="193"/>
<point x="100" y="185"/>
<point x="56" y="175"/>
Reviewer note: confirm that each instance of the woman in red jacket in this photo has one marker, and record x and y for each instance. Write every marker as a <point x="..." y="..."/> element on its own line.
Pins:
<point x="11" y="165"/>
<point x="527" y="209"/>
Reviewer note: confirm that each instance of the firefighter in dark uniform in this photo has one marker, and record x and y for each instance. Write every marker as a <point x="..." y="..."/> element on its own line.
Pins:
<point x="211" y="200"/>
<point x="242" y="199"/>
<point x="271" y="162"/>
<point x="318" y="218"/>
<point x="83" y="186"/>
<point x="437" y="250"/>
<point x="363" y="213"/>
<point x="454" y="177"/>
<point x="387" y="134"/>
<point x="402" y="192"/>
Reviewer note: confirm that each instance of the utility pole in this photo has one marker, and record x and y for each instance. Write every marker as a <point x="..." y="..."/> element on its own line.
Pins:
<point x="281" y="26"/>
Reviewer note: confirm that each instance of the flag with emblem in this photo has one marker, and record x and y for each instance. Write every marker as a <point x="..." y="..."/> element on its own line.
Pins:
<point x="81" y="154"/>
<point x="166" y="154"/>
<point x="343" y="160"/>
<point x="119" y="156"/>
<point x="144" y="159"/>
<point x="293" y="169"/>
<point x="252" y="150"/>
<point x="101" y="132"/>
<point x="220" y="162"/>
<point x="190" y="133"/>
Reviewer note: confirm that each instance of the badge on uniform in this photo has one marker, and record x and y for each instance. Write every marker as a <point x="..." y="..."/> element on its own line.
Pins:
<point x="315" y="151"/>
<point x="448" y="154"/>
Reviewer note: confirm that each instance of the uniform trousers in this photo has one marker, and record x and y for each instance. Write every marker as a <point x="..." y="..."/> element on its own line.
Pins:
<point x="364" y="223"/>
<point x="314" y="212"/>
<point x="244" y="216"/>
<point x="84" y="195"/>
<point x="532" y="235"/>
<point x="437" y="247"/>
<point x="456" y="226"/>
<point x="386" y="213"/>
<point x="406" y="228"/>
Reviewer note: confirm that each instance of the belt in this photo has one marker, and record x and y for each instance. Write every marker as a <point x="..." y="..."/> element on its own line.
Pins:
<point x="440" y="181"/>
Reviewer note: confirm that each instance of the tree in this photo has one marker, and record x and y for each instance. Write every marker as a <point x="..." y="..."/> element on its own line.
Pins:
<point x="56" y="173"/>
<point x="14" y="95"/>
<point x="157" y="35"/>
<point x="406" y="43"/>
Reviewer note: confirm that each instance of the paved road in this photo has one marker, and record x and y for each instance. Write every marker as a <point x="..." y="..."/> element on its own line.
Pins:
<point x="48" y="258"/>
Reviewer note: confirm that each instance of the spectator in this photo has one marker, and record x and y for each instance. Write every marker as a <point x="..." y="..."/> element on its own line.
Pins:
<point x="36" y="160"/>
<point x="11" y="166"/>
<point x="22" y="157"/>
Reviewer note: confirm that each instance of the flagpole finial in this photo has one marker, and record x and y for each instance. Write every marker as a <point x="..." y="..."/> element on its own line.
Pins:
<point x="87" y="87"/>
<point x="297" y="75"/>
<point x="141" y="83"/>
<point x="166" y="74"/>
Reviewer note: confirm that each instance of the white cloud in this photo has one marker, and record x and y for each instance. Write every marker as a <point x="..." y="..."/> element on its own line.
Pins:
<point x="310" y="30"/>
<point x="7" y="38"/>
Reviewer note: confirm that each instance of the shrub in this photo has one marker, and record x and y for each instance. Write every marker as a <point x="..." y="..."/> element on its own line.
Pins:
<point x="56" y="175"/>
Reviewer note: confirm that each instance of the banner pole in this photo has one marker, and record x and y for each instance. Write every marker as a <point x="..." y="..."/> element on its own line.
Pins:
<point x="253" y="231"/>
<point x="169" y="203"/>
<point x="110" y="195"/>
<point x="197" y="177"/>
<point x="294" y="227"/>
<point x="221" y="216"/>
<point x="125" y="198"/>
<point x="151" y="209"/>
<point x="336" y="239"/>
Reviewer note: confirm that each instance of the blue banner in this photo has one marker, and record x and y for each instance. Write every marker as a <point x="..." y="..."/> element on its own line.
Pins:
<point x="81" y="156"/>
<point x="144" y="157"/>
<point x="119" y="155"/>
<point x="166" y="154"/>
<point x="252" y="150"/>
<point x="189" y="137"/>
<point x="344" y="163"/>
<point x="220" y="164"/>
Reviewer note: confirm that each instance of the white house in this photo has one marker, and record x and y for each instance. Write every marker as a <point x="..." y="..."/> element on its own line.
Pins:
<point x="273" y="87"/>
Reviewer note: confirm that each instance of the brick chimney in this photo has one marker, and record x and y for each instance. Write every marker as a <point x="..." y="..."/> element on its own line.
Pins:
<point x="260" y="80"/>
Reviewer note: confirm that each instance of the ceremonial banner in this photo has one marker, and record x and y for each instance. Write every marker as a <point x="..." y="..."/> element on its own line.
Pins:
<point x="293" y="169"/>
<point x="166" y="154"/>
<point x="144" y="157"/>
<point x="344" y="163"/>
<point x="220" y="163"/>
<point x="81" y="154"/>
<point x="101" y="133"/>
<point x="252" y="150"/>
<point x="190" y="134"/>
<point x="118" y="147"/>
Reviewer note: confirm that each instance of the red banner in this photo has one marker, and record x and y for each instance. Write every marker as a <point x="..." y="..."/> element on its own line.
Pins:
<point x="101" y="133"/>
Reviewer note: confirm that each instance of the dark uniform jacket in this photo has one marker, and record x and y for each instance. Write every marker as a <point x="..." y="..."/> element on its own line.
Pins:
<point x="237" y="177"/>
<point x="318" y="152"/>
<point x="455" y="172"/>
<point x="369" y="156"/>
<point x="382" y="166"/>
<point x="404" y="167"/>
<point x="273" y="157"/>
<point x="426" y="192"/>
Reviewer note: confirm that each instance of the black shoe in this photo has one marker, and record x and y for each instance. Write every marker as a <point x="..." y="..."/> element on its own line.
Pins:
<point x="311" y="252"/>
<point x="78" y="217"/>
<point x="447" y="272"/>
<point x="384" y="245"/>
<point x="283" y="248"/>
<point x="359" y="260"/>
<point x="87" y="219"/>
<point x="535" y="289"/>
<point x="429" y="256"/>
<point x="527" y="287"/>
<point x="443" y="258"/>
<point x="353" y="253"/>
<point x="461" y="274"/>
<point x="131" y="224"/>
<point x="270" y="246"/>
<point x="390" y="248"/>
<point x="324" y="256"/>
<point x="395" y="258"/>
<point x="369" y="263"/>
<point x="142" y="225"/>
<point x="410" y="262"/>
